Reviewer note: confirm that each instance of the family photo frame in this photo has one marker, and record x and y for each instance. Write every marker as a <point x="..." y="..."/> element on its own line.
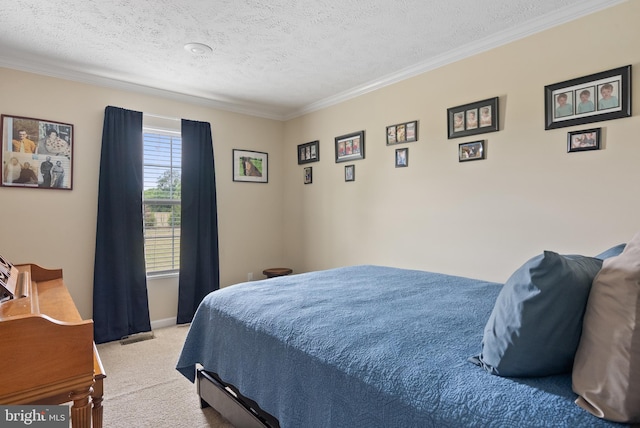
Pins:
<point x="350" y="173"/>
<point x="580" y="141"/>
<point x="36" y="153"/>
<point x="402" y="133"/>
<point x="309" y="152"/>
<point x="593" y="98"/>
<point x="250" y="166"/>
<point x="474" y="150"/>
<point x="308" y="175"/>
<point x="402" y="158"/>
<point x="350" y="147"/>
<point x="474" y="118"/>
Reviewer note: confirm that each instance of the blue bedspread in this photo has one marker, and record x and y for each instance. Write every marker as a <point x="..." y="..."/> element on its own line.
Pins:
<point x="369" y="346"/>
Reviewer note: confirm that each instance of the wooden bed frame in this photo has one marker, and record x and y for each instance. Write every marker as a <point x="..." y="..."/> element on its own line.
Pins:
<point x="241" y="411"/>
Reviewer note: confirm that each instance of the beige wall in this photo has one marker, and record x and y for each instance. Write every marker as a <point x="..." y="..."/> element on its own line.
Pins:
<point x="483" y="218"/>
<point x="479" y="219"/>
<point x="57" y="228"/>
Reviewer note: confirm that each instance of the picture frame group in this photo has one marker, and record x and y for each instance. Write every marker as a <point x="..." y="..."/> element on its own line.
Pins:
<point x="471" y="151"/>
<point x="474" y="118"/>
<point x="309" y="152"/>
<point x="250" y="166"/>
<point x="36" y="153"/>
<point x="601" y="96"/>
<point x="402" y="133"/>
<point x="580" y="141"/>
<point x="350" y="147"/>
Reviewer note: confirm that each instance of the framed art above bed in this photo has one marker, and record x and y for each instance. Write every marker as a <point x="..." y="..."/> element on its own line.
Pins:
<point x="350" y="147"/>
<point x="350" y="173"/>
<point x="593" y="98"/>
<point x="586" y="139"/>
<point x="471" y="151"/>
<point x="474" y="118"/>
<point x="402" y="133"/>
<point x="308" y="175"/>
<point x="402" y="158"/>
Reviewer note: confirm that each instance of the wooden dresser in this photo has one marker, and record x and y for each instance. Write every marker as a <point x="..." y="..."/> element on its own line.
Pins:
<point x="47" y="348"/>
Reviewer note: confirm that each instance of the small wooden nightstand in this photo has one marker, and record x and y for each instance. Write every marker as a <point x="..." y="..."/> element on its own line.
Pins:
<point x="273" y="272"/>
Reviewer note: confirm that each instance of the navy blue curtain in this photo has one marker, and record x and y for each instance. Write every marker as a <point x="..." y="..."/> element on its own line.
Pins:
<point x="120" y="301"/>
<point x="199" y="261"/>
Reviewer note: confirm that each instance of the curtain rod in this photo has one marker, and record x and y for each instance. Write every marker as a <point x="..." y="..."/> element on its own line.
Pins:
<point x="161" y="117"/>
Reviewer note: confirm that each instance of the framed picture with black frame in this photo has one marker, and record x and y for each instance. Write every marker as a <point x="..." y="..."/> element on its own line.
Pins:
<point x="593" y="98"/>
<point x="474" y="118"/>
<point x="402" y="157"/>
<point x="350" y="173"/>
<point x="580" y="141"/>
<point x="308" y="175"/>
<point x="350" y="147"/>
<point x="474" y="150"/>
<point x="402" y="133"/>
<point x="309" y="152"/>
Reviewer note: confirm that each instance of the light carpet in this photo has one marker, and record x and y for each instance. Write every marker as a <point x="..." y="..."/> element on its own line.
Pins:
<point x="143" y="388"/>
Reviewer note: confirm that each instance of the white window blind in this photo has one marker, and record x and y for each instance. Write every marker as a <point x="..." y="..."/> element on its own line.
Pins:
<point x="161" y="200"/>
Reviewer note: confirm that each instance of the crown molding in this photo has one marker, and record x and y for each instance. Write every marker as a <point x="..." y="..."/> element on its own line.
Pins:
<point x="559" y="17"/>
<point x="50" y="70"/>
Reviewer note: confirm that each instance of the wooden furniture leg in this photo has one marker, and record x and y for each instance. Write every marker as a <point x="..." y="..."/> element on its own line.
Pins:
<point x="98" y="390"/>
<point x="96" y="401"/>
<point x="81" y="409"/>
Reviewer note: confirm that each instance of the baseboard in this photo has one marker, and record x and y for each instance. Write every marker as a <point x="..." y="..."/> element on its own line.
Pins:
<point x="167" y="322"/>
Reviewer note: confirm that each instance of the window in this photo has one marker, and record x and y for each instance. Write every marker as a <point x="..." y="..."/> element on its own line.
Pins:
<point x="161" y="200"/>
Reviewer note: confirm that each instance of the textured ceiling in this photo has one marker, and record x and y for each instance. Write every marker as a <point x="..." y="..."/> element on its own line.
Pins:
<point x="271" y="58"/>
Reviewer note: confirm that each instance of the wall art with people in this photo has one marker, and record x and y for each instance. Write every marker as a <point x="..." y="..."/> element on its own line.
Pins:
<point x="36" y="153"/>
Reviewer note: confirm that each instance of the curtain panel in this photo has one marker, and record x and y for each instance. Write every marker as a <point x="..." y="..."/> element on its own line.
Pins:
<point x="120" y="301"/>
<point x="199" y="260"/>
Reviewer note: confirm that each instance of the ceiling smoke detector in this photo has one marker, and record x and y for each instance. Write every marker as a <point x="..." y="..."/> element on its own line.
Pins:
<point x="198" y="48"/>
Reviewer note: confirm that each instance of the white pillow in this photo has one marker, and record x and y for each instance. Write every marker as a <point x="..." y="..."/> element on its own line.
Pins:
<point x="606" y="370"/>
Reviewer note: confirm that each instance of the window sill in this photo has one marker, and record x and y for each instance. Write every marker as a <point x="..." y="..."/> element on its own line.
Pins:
<point x="162" y="275"/>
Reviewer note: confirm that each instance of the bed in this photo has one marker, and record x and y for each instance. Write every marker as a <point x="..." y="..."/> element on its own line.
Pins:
<point x="366" y="346"/>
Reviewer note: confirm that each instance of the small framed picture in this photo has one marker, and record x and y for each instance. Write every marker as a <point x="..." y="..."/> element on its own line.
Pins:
<point x="308" y="175"/>
<point x="250" y="166"/>
<point x="579" y="141"/>
<point x="402" y="133"/>
<point x="473" y="118"/>
<point x="594" y="98"/>
<point x="471" y="151"/>
<point x="402" y="158"/>
<point x="350" y="147"/>
<point x="309" y="152"/>
<point x="37" y="153"/>
<point x="350" y="173"/>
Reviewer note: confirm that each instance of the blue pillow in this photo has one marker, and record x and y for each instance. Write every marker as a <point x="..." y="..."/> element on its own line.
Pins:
<point x="536" y="323"/>
<point x="611" y="252"/>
